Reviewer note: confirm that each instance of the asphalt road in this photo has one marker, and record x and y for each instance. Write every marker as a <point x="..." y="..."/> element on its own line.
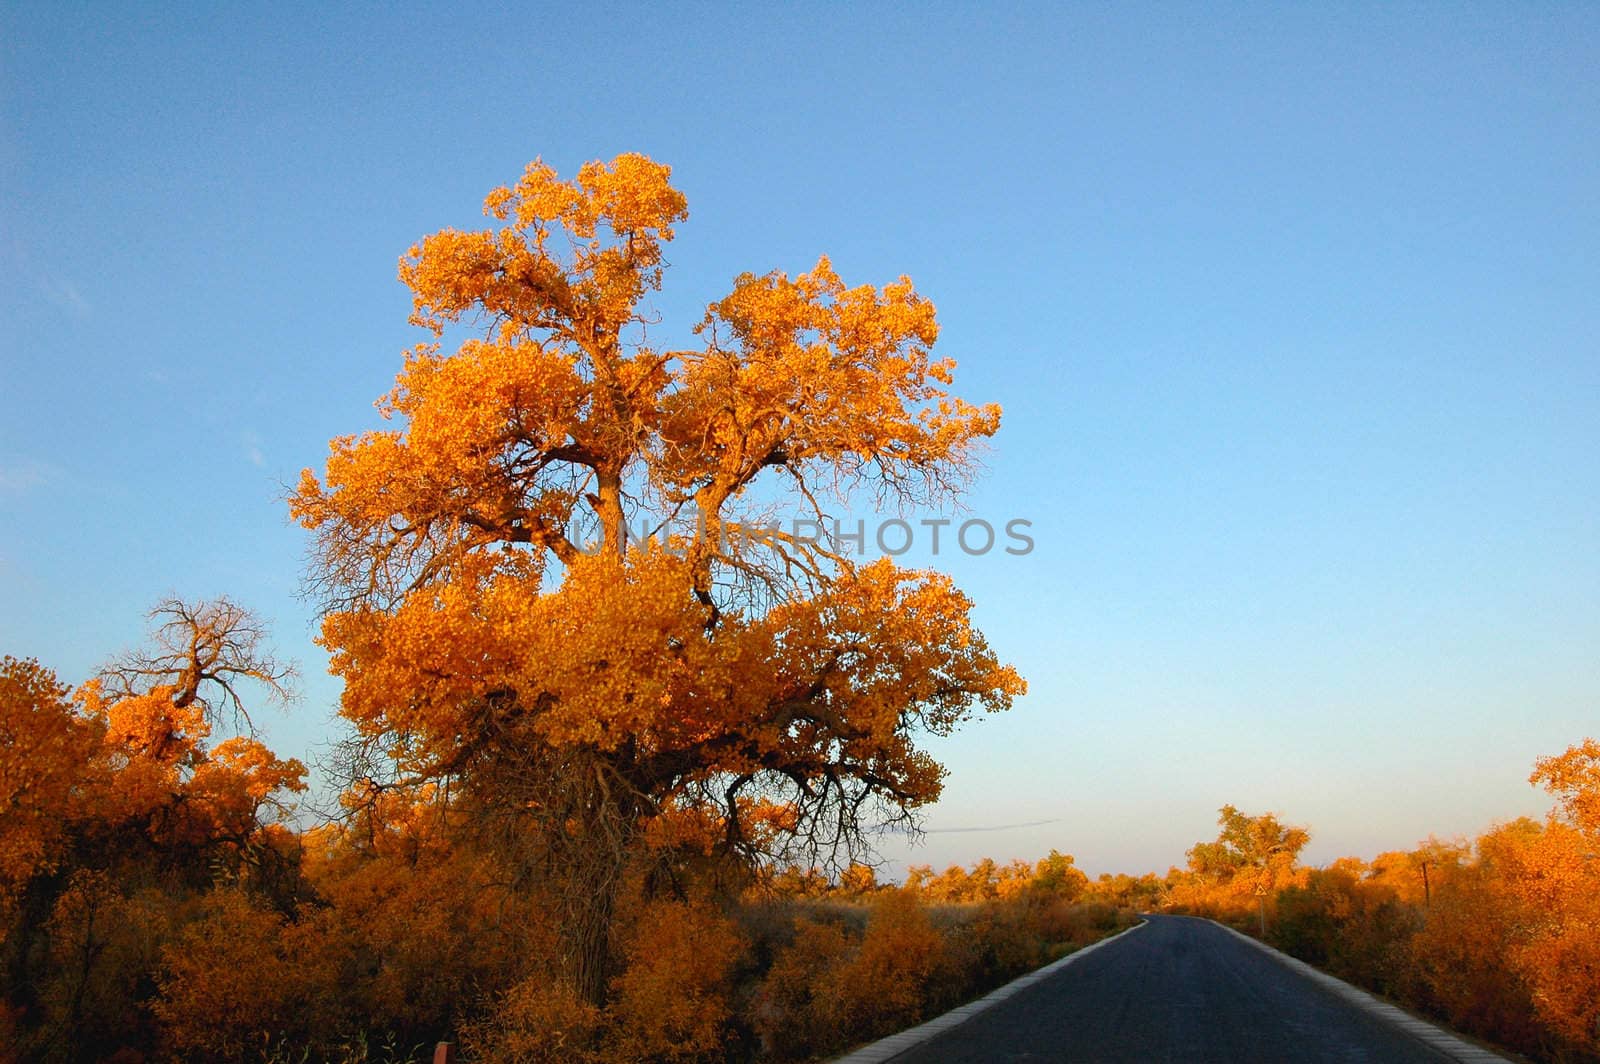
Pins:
<point x="1178" y="990"/>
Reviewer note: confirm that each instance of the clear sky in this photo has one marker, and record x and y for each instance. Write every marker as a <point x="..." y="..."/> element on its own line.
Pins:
<point x="1293" y="316"/>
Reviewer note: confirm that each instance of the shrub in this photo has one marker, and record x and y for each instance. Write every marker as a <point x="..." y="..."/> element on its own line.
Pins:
<point x="671" y="1001"/>
<point x="790" y="1021"/>
<point x="240" y="978"/>
<point x="536" y="1021"/>
<point x="885" y="986"/>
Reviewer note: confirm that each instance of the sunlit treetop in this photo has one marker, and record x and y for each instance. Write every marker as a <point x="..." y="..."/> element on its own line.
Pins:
<point x="1574" y="778"/>
<point x="557" y="425"/>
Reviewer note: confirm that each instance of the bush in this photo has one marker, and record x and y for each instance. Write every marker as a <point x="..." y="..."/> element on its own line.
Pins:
<point x="791" y="1020"/>
<point x="240" y="978"/>
<point x="671" y="1002"/>
<point x="537" y="1021"/>
<point x="885" y="985"/>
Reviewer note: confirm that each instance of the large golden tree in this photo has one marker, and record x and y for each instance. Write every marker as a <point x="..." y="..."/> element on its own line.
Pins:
<point x="506" y="632"/>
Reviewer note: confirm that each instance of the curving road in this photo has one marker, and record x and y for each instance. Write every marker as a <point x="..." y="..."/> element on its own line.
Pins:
<point x="1178" y="990"/>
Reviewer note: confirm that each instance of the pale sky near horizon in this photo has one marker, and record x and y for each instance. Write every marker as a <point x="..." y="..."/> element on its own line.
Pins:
<point x="1292" y="313"/>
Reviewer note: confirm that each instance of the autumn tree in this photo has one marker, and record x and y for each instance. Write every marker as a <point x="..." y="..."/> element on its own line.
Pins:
<point x="174" y="791"/>
<point x="47" y="780"/>
<point x="1251" y="853"/>
<point x="1574" y="778"/>
<point x="1058" y="875"/>
<point x="508" y="630"/>
<point x="47" y="745"/>
<point x="114" y="805"/>
<point x="1416" y="874"/>
<point x="1559" y="887"/>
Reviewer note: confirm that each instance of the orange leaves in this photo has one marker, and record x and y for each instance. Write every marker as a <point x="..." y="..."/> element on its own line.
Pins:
<point x="1539" y="888"/>
<point x="86" y="765"/>
<point x="46" y="744"/>
<point x="621" y="654"/>
<point x="448" y="273"/>
<point x="240" y="977"/>
<point x="129" y="749"/>
<point x="584" y="661"/>
<point x="1574" y="778"/>
<point x="633" y="195"/>
<point x="671" y="1000"/>
<point x="1057" y="875"/>
<point x="794" y="1012"/>
<point x="538" y="1021"/>
<point x="828" y="988"/>
<point x="882" y="648"/>
<point x="1257" y="852"/>
<point x="615" y="217"/>
<point x="260" y="772"/>
<point x="885" y="985"/>
<point x="557" y="723"/>
<point x="240" y="777"/>
<point x="115" y="813"/>
<point x="1501" y="938"/>
<point x="754" y="689"/>
<point x="824" y="376"/>
<point x="538" y="427"/>
<point x="149" y="725"/>
<point x="465" y="412"/>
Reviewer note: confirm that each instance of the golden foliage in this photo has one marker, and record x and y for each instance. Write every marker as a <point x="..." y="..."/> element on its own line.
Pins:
<point x="239" y="977"/>
<point x="1574" y="778"/>
<point x="671" y="1002"/>
<point x="885" y="985"/>
<point x="502" y="629"/>
<point x="793" y="1012"/>
<point x="1501" y="938"/>
<point x="45" y="774"/>
<point x="117" y="813"/>
<point x="537" y="1021"/>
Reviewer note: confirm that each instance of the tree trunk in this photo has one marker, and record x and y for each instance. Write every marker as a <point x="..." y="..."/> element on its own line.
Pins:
<point x="590" y="954"/>
<point x="591" y="862"/>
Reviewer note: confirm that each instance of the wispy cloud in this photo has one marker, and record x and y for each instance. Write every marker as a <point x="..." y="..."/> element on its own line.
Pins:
<point x="64" y="293"/>
<point x="22" y="476"/>
<point x="252" y="448"/>
<point x="56" y="289"/>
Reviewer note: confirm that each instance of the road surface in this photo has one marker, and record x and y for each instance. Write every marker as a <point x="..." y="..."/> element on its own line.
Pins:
<point x="1178" y="990"/>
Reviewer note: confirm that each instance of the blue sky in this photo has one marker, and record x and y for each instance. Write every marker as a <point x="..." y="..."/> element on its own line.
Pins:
<point x="1292" y="314"/>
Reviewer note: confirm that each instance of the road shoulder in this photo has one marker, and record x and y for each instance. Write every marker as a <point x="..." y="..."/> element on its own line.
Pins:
<point x="895" y="1044"/>
<point x="1433" y="1036"/>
